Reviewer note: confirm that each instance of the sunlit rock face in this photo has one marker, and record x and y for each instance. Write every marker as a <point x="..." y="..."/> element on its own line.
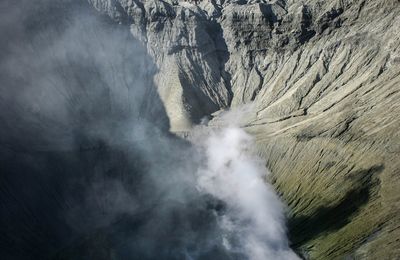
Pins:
<point x="188" y="47"/>
<point x="324" y="80"/>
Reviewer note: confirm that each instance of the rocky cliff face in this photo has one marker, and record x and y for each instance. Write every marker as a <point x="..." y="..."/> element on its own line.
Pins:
<point x="324" y="79"/>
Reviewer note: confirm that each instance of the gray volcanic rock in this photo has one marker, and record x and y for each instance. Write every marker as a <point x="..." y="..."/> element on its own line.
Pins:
<point x="185" y="43"/>
<point x="324" y="78"/>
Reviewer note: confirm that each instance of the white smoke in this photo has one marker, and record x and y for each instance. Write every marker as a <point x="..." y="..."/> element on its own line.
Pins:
<point x="253" y="221"/>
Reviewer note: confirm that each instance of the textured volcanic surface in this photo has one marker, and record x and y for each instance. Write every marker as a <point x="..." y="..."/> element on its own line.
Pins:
<point x="325" y="82"/>
<point x="323" y="78"/>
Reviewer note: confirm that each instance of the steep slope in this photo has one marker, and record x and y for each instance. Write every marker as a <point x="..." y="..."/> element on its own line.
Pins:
<point x="324" y="78"/>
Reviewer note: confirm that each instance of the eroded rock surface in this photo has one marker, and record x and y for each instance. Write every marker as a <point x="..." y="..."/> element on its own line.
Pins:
<point x="324" y="78"/>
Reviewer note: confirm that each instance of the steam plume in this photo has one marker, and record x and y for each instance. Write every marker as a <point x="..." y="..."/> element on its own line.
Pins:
<point x="253" y="222"/>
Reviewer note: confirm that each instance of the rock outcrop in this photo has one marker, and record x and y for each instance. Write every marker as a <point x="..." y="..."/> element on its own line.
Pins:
<point x="324" y="78"/>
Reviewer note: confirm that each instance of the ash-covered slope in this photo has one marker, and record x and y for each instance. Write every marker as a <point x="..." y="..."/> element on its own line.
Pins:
<point x="324" y="77"/>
